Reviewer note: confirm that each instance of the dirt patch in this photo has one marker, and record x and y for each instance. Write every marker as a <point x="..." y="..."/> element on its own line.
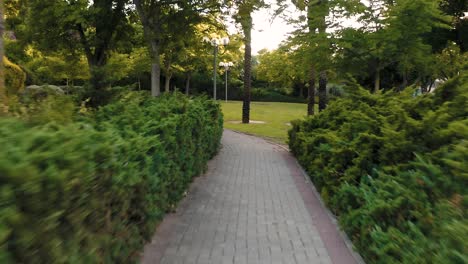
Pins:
<point x="251" y="122"/>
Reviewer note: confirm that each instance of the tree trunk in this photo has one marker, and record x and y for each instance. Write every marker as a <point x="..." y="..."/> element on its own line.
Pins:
<point x="187" y="83"/>
<point x="377" y="81"/>
<point x="3" y="98"/>
<point x="151" y="30"/>
<point x="322" y="90"/>
<point x="155" y="70"/>
<point x="405" y="82"/>
<point x="247" y="28"/>
<point x="312" y="26"/>
<point x="311" y="92"/>
<point x="155" y="77"/>
<point x="167" y="83"/>
<point x="99" y="94"/>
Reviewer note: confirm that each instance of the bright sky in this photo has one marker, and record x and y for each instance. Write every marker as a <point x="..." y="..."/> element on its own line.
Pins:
<point x="268" y="34"/>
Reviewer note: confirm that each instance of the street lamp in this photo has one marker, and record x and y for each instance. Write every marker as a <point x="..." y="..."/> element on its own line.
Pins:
<point x="215" y="42"/>
<point x="226" y="66"/>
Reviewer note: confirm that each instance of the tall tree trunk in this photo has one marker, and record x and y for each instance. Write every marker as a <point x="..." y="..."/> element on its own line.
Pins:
<point x="99" y="94"/>
<point x="96" y="59"/>
<point x="167" y="83"/>
<point x="187" y="83"/>
<point x="97" y="76"/>
<point x="155" y="70"/>
<point x="322" y="90"/>
<point x="3" y="97"/>
<point x="247" y="28"/>
<point x="377" y="81"/>
<point x="311" y="92"/>
<point x="312" y="26"/>
<point x="155" y="77"/>
<point x="151" y="30"/>
<point x="405" y="81"/>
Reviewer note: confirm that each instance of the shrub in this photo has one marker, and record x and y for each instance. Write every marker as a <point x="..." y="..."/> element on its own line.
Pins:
<point x="267" y="95"/>
<point x="93" y="190"/>
<point x="393" y="168"/>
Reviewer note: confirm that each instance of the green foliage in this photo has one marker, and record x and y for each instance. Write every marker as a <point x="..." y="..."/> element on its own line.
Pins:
<point x="92" y="191"/>
<point x="393" y="168"/>
<point x="451" y="61"/>
<point x="48" y="107"/>
<point x="280" y="67"/>
<point x="14" y="77"/>
<point x="57" y="68"/>
<point x="270" y="95"/>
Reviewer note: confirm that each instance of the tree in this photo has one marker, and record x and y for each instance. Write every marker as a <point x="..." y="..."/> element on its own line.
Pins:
<point x="162" y="17"/>
<point x="140" y="64"/>
<point x="117" y="68"/>
<point x="318" y="47"/>
<point x="190" y="57"/>
<point x="451" y="62"/>
<point x="56" y="67"/>
<point x="243" y="16"/>
<point x="78" y="25"/>
<point x="191" y="60"/>
<point x="408" y="21"/>
<point x="3" y="99"/>
<point x="282" y="67"/>
<point x="365" y="54"/>
<point x="391" y="39"/>
<point x="458" y="33"/>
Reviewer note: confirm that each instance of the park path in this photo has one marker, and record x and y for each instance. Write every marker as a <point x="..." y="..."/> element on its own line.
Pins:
<point x="253" y="205"/>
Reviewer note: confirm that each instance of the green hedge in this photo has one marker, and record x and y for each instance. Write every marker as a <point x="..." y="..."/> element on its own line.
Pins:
<point x="92" y="191"/>
<point x="394" y="168"/>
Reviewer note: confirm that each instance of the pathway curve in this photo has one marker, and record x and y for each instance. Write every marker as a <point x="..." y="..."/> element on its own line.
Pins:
<point x="253" y="205"/>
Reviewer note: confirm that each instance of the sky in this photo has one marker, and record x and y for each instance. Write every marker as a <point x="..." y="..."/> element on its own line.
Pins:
<point x="268" y="34"/>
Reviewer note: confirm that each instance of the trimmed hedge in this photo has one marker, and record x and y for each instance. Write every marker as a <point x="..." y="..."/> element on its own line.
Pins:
<point x="92" y="191"/>
<point x="394" y="168"/>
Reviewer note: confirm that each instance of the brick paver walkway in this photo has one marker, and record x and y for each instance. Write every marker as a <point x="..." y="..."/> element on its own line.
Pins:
<point x="252" y="206"/>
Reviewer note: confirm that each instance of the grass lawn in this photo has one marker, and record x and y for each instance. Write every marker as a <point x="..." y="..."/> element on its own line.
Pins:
<point x="275" y="115"/>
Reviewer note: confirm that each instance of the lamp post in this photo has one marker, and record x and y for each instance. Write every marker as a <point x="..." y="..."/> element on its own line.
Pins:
<point x="215" y="43"/>
<point x="226" y="66"/>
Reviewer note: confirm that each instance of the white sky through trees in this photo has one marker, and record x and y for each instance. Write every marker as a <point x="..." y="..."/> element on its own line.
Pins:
<point x="269" y="34"/>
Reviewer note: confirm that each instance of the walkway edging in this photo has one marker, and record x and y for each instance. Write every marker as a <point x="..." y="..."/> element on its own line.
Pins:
<point x="357" y="257"/>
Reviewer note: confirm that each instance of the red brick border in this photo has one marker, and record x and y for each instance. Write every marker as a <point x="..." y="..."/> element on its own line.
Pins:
<point x="339" y="250"/>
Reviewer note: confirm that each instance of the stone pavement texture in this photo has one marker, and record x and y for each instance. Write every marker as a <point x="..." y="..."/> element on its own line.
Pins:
<point x="253" y="205"/>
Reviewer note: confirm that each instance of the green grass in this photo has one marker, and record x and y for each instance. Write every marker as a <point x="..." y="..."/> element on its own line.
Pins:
<point x="276" y="115"/>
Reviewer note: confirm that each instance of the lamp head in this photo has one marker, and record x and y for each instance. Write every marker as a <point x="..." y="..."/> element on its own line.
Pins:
<point x="225" y="41"/>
